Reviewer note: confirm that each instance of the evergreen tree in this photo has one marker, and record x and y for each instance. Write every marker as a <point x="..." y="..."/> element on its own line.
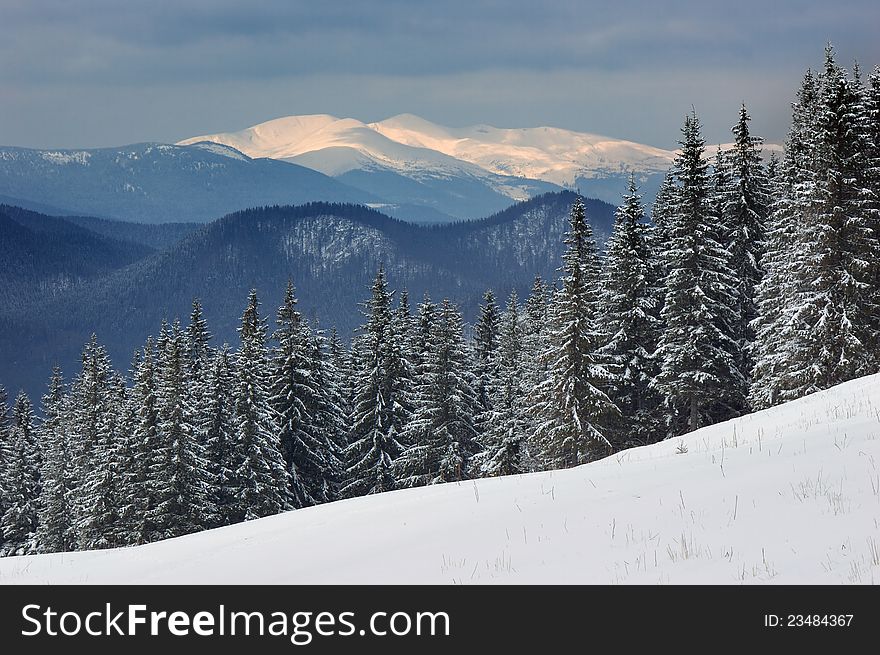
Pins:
<point x="661" y="216"/>
<point x="4" y="453"/>
<point x="871" y="128"/>
<point x="102" y="489"/>
<point x="837" y="309"/>
<point x="778" y="295"/>
<point x="93" y="448"/>
<point x="504" y="439"/>
<point x="629" y="318"/>
<point x="773" y="168"/>
<point x="298" y="398"/>
<point x="572" y="406"/>
<point x="698" y="375"/>
<point x="177" y="481"/>
<point x="340" y="361"/>
<point x="328" y="417"/>
<point x="441" y="437"/>
<point x="261" y="481"/>
<point x="21" y="483"/>
<point x="218" y="428"/>
<point x="197" y="359"/>
<point x="55" y="531"/>
<point x="486" y="352"/>
<point x="744" y="217"/>
<point x="535" y="326"/>
<point x="145" y="444"/>
<point x="381" y="408"/>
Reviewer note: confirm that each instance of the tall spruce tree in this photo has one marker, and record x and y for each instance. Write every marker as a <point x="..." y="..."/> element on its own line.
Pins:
<point x="835" y="317"/>
<point x="145" y="443"/>
<point x="101" y="485"/>
<point x="177" y="468"/>
<point x="506" y="428"/>
<point x="261" y="481"/>
<point x="55" y="530"/>
<point x="744" y="219"/>
<point x="871" y="128"/>
<point x="4" y="453"/>
<point x="21" y="483"/>
<point x="629" y="318"/>
<point x="486" y="352"/>
<point x="218" y="429"/>
<point x="92" y="448"/>
<point x="535" y="328"/>
<point x="573" y="407"/>
<point x="198" y="356"/>
<point x="441" y="437"/>
<point x="298" y="398"/>
<point x="328" y="417"/>
<point x="698" y="377"/>
<point x="778" y="339"/>
<point x="381" y="407"/>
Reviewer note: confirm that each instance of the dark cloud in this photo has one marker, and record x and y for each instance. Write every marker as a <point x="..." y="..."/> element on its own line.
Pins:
<point x="103" y="71"/>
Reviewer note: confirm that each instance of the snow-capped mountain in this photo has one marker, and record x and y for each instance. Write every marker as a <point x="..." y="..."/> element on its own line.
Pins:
<point x="513" y="163"/>
<point x="413" y="145"/>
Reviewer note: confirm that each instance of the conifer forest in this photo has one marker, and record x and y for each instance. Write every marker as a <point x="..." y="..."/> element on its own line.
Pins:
<point x="747" y="282"/>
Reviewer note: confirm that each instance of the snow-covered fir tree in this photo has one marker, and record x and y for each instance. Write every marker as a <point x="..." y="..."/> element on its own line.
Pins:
<point x="535" y="326"/>
<point x="102" y="488"/>
<point x="177" y="466"/>
<point x="327" y="416"/>
<point x="661" y="217"/>
<point x="93" y="448"/>
<point x="871" y="127"/>
<point x="381" y="403"/>
<point x="21" y="481"/>
<point x="698" y="377"/>
<point x="340" y="361"/>
<point x="744" y="214"/>
<point x="629" y="318"/>
<point x="260" y="478"/>
<point x="298" y="398"/>
<point x="144" y="443"/>
<point x="218" y="430"/>
<point x="835" y="310"/>
<point x="778" y="294"/>
<point x="198" y="358"/>
<point x="441" y="437"/>
<point x="4" y="448"/>
<point x="55" y="532"/>
<point x="506" y="426"/>
<point x="486" y="354"/>
<point x="573" y="408"/>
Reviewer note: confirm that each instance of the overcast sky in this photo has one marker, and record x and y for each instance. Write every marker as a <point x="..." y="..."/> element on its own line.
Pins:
<point x="90" y="73"/>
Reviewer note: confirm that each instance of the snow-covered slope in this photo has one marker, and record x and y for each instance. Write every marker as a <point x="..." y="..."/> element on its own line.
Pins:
<point x="787" y="495"/>
<point x="410" y="144"/>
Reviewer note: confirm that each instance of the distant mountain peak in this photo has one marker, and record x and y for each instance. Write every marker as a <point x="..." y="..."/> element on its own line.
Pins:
<point x="411" y="144"/>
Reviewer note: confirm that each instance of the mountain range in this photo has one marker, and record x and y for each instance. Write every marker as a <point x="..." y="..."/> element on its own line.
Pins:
<point x="404" y="166"/>
<point x="159" y="183"/>
<point x="401" y="157"/>
<point x="72" y="276"/>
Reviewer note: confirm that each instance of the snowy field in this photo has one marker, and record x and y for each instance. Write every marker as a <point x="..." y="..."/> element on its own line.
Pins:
<point x="787" y="495"/>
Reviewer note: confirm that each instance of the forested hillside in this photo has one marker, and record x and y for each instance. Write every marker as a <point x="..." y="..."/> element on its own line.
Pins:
<point x="331" y="252"/>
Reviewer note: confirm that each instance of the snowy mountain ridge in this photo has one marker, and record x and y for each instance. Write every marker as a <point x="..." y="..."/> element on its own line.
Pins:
<point x="408" y="143"/>
<point x="788" y="495"/>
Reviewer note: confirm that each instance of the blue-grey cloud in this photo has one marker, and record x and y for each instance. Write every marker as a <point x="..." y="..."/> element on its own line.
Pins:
<point x="103" y="71"/>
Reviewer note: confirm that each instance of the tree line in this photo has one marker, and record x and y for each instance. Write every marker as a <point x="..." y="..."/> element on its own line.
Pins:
<point x="751" y="285"/>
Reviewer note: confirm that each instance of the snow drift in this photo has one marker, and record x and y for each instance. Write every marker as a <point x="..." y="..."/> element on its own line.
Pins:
<point x="786" y="495"/>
